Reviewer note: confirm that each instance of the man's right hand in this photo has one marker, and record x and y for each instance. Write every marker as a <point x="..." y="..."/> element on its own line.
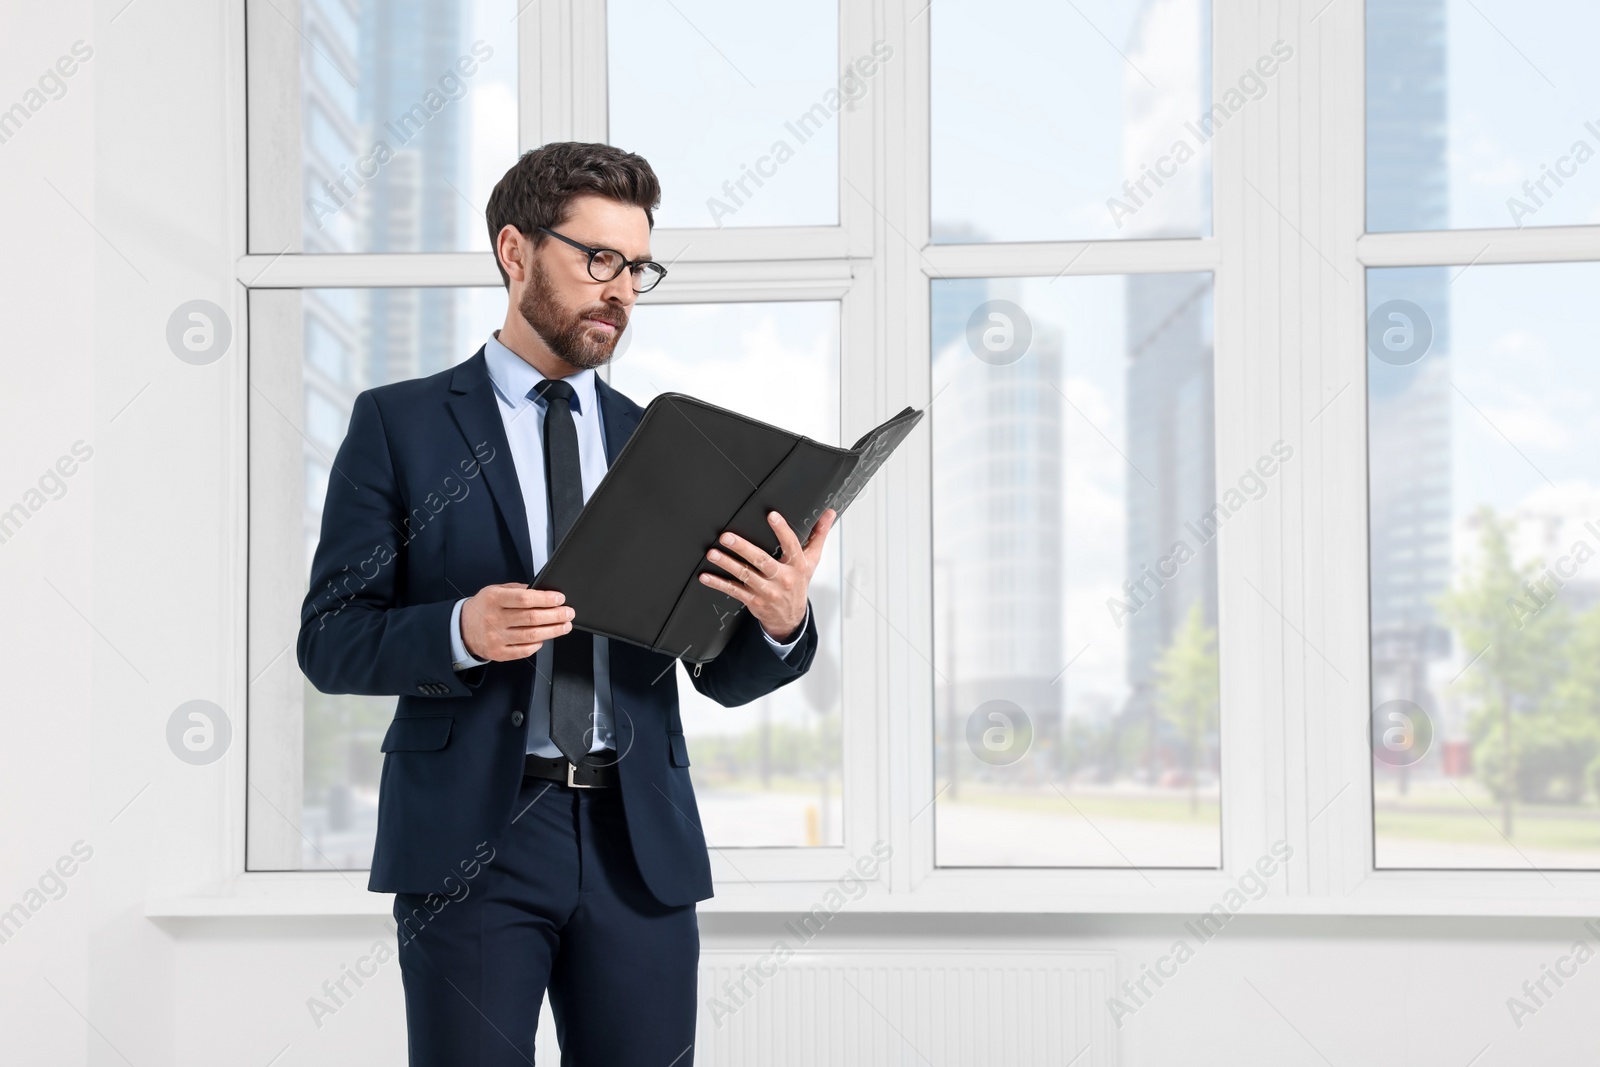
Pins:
<point x="510" y="621"/>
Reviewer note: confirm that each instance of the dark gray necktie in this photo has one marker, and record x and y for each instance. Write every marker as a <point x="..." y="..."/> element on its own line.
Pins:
<point x="572" y="680"/>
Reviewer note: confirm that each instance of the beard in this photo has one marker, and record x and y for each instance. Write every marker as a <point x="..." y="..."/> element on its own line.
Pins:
<point x="573" y="341"/>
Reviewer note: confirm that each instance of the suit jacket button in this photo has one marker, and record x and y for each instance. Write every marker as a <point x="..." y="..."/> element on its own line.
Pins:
<point x="422" y="689"/>
<point x="516" y="718"/>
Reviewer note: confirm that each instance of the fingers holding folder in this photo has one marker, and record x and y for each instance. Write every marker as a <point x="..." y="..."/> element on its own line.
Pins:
<point x="773" y="589"/>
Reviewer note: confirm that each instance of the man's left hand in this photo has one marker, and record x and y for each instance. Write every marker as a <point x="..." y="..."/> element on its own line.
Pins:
<point x="773" y="589"/>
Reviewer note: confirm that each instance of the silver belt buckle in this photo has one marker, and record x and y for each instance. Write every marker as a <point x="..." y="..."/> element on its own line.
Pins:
<point x="576" y="785"/>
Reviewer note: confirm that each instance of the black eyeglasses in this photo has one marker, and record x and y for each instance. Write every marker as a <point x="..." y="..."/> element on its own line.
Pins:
<point x="606" y="263"/>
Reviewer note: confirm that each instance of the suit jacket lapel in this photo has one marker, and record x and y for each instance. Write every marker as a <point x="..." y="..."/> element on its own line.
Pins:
<point x="477" y="413"/>
<point x="618" y="417"/>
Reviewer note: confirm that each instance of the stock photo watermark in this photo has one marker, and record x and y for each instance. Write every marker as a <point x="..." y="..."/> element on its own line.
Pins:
<point x="999" y="332"/>
<point x="51" y="485"/>
<point x="455" y="891"/>
<point x="1402" y="733"/>
<point x="52" y="886"/>
<point x="414" y="523"/>
<point x="452" y="86"/>
<point x="853" y="885"/>
<point x="852" y="87"/>
<point x="1399" y="332"/>
<point x="1537" y="191"/>
<point x="1252" y="485"/>
<point x="1536" y="992"/>
<point x="199" y="732"/>
<point x="1249" y="886"/>
<point x="199" y="332"/>
<point x="999" y="733"/>
<point x="50" y="86"/>
<point x="1249" y="87"/>
<point x="336" y="992"/>
<point x="1541" y="590"/>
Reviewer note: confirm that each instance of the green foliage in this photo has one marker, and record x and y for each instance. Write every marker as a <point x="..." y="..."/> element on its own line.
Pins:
<point x="1187" y="690"/>
<point x="1553" y="757"/>
<point x="1535" y="689"/>
<point x="795" y="751"/>
<point x="1136" y="738"/>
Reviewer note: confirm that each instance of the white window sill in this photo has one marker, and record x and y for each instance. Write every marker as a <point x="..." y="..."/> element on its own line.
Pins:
<point x="319" y="894"/>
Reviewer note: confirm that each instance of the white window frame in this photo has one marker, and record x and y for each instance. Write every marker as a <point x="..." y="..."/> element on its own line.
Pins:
<point x="1288" y="257"/>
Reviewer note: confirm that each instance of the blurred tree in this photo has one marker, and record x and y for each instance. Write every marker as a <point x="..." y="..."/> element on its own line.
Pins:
<point x="1186" y="690"/>
<point x="1577" y="701"/>
<point x="1516" y="633"/>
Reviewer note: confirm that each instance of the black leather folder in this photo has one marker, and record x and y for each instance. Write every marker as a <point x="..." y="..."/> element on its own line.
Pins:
<point x="630" y="565"/>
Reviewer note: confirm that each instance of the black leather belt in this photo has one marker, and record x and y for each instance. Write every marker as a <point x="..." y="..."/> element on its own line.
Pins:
<point x="598" y="770"/>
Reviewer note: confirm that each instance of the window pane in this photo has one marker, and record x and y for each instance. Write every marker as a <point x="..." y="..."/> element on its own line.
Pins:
<point x="1485" y="512"/>
<point x="1075" y="515"/>
<point x="350" y="340"/>
<point x="408" y="118"/>
<point x="741" y="125"/>
<point x="1480" y="113"/>
<point x="769" y="772"/>
<point x="1076" y="121"/>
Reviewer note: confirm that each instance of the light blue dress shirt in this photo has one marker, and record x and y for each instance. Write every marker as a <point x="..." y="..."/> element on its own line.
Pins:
<point x="514" y="379"/>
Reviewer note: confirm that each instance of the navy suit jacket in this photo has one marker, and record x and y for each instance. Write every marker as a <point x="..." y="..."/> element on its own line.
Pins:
<point x="423" y="508"/>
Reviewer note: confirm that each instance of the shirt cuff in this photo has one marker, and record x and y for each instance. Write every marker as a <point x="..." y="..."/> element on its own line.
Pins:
<point x="783" y="650"/>
<point x="460" y="658"/>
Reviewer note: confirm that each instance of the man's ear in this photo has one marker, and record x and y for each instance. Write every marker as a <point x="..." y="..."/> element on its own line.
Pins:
<point x="514" y="251"/>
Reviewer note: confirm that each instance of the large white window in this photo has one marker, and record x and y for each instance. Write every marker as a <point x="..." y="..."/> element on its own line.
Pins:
<point x="398" y="119"/>
<point x="1253" y="510"/>
<point x="1075" y="510"/>
<point x="1485" y="492"/>
<point x="1075" y="524"/>
<point x="1071" y="121"/>
<point x="740" y="123"/>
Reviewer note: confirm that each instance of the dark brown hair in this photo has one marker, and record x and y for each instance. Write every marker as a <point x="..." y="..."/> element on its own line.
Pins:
<point x="539" y="188"/>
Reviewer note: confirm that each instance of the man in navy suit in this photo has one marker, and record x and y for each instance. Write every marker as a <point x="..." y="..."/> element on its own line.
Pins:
<point x="536" y="821"/>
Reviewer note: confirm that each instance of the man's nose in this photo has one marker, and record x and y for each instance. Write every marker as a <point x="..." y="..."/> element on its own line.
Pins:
<point x="619" y="290"/>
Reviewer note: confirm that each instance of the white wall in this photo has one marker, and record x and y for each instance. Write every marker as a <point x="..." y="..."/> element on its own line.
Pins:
<point x="1359" y="992"/>
<point x="119" y="608"/>
<point x="50" y="794"/>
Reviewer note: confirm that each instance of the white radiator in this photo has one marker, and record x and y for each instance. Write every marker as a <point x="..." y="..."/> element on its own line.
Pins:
<point x="929" y="1007"/>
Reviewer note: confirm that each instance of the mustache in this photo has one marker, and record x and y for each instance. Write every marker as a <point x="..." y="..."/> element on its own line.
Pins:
<point x="605" y="315"/>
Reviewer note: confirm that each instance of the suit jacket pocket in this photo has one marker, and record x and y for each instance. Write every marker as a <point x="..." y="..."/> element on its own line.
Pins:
<point x="680" y="748"/>
<point x="421" y="734"/>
